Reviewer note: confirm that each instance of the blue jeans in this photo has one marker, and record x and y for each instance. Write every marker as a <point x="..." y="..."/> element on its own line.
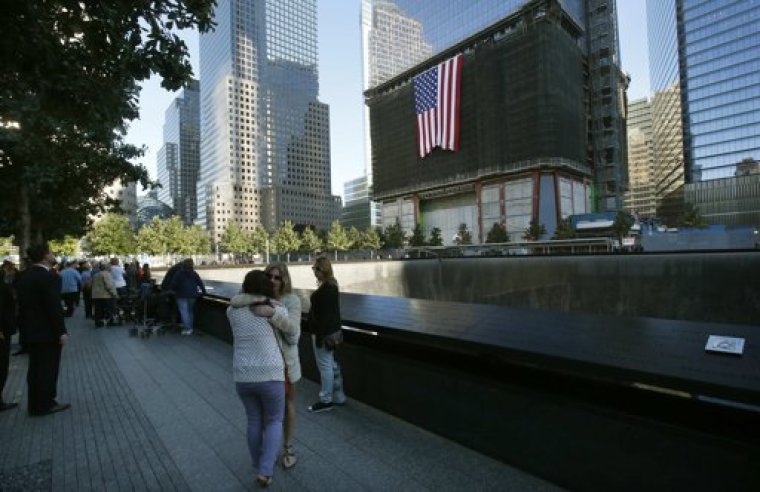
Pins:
<point x="186" y="306"/>
<point x="265" y="407"/>
<point x="329" y="373"/>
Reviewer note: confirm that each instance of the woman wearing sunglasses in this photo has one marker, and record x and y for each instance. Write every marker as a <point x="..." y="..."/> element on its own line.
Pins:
<point x="325" y="323"/>
<point x="290" y="328"/>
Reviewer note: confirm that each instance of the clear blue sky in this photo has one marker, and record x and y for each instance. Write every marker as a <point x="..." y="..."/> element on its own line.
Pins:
<point x="340" y="83"/>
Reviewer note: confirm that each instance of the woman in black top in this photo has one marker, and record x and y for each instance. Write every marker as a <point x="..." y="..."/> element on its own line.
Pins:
<point x="324" y="320"/>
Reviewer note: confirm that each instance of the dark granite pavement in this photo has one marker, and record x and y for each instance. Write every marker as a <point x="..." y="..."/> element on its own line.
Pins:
<point x="162" y="414"/>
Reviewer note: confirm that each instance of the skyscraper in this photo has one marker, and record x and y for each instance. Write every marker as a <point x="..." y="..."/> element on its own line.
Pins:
<point x="179" y="157"/>
<point x="640" y="196"/>
<point x="265" y="154"/>
<point x="704" y="70"/>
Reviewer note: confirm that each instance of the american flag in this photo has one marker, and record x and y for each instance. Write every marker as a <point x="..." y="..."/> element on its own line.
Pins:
<point x="437" y="100"/>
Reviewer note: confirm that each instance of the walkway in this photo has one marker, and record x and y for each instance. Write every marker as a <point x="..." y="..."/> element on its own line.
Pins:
<point x="162" y="414"/>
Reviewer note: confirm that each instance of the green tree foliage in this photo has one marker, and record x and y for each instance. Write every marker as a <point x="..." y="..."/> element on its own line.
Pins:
<point x="260" y="241"/>
<point x="70" y="84"/>
<point x="6" y="245"/>
<point x="195" y="241"/>
<point x="565" y="230"/>
<point x="463" y="235"/>
<point x="497" y="234"/>
<point x="174" y="232"/>
<point x="286" y="239"/>
<point x="418" y="236"/>
<point x="68" y="246"/>
<point x="337" y="239"/>
<point x="354" y="238"/>
<point x="151" y="239"/>
<point x="371" y="240"/>
<point x="622" y="224"/>
<point x="691" y="217"/>
<point x="435" y="237"/>
<point x="112" y="235"/>
<point x="235" y="240"/>
<point x="535" y="231"/>
<point x="394" y="236"/>
<point x="310" y="241"/>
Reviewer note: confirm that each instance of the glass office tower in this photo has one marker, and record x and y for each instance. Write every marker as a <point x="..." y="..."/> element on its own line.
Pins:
<point x="721" y="63"/>
<point x="265" y="136"/>
<point x="705" y="79"/>
<point x="640" y="197"/>
<point x="179" y="157"/>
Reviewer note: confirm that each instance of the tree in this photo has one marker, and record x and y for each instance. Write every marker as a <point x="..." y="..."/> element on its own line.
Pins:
<point x="535" y="231"/>
<point x="235" y="240"/>
<point x="111" y="235"/>
<point x="196" y="241"/>
<point x="337" y="239"/>
<point x="371" y="240"/>
<point x="394" y="236"/>
<point x="69" y="85"/>
<point x="354" y="238"/>
<point x="286" y="239"/>
<point x="67" y="246"/>
<point x="174" y="235"/>
<point x="418" y="236"/>
<point x="260" y="241"/>
<point x="565" y="230"/>
<point x="435" y="237"/>
<point x="622" y="224"/>
<point x="6" y="245"/>
<point x="691" y="216"/>
<point x="310" y="241"/>
<point x="463" y="235"/>
<point x="497" y="234"/>
<point x="151" y="239"/>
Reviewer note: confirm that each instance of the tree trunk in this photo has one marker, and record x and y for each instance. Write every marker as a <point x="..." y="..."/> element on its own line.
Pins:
<point x="25" y="216"/>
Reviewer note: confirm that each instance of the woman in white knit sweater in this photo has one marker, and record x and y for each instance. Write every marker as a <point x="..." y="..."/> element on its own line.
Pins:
<point x="259" y="371"/>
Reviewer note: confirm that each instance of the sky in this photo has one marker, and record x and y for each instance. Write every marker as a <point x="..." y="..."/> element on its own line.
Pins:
<point x="340" y="84"/>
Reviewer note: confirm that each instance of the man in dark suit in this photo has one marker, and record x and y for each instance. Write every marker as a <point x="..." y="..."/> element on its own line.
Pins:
<point x="7" y="329"/>
<point x="41" y="322"/>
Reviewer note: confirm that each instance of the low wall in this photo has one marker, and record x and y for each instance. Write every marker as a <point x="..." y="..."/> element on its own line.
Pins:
<point x="721" y="287"/>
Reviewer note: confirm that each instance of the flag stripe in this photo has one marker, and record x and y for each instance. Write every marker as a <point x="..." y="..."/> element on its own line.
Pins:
<point x="437" y="98"/>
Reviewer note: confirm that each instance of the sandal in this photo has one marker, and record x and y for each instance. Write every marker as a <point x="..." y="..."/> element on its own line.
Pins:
<point x="289" y="459"/>
<point x="263" y="481"/>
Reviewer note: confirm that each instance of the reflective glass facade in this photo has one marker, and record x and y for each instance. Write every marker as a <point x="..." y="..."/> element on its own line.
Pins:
<point x="721" y="62"/>
<point x="431" y="27"/>
<point x="667" y="117"/>
<point x="265" y="136"/>
<point x="179" y="157"/>
<point x="640" y="197"/>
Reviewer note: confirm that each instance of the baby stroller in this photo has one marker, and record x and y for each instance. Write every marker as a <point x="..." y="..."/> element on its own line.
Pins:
<point x="127" y="306"/>
<point x="146" y="313"/>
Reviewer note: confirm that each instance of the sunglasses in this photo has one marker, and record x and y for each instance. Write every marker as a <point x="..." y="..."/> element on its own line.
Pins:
<point x="274" y="277"/>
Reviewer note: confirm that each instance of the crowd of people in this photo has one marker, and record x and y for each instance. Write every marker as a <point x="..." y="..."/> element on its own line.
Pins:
<point x="265" y="319"/>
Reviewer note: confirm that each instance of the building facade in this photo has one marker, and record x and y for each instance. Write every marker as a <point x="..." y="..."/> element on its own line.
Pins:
<point x="126" y="194"/>
<point x="524" y="151"/>
<point x="704" y="67"/>
<point x="265" y="153"/>
<point x="356" y="204"/>
<point x="179" y="157"/>
<point x="444" y="24"/>
<point x="149" y="206"/>
<point x="640" y="197"/>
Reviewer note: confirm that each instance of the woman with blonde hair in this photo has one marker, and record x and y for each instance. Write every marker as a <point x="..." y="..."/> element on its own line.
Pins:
<point x="325" y="324"/>
<point x="290" y="329"/>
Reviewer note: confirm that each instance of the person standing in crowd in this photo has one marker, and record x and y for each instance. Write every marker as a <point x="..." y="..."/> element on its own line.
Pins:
<point x="23" y="266"/>
<point x="104" y="295"/>
<point x="71" y="284"/>
<point x="85" y="270"/>
<point x="259" y="371"/>
<point x="325" y="324"/>
<point x="146" y="280"/>
<point x="7" y="330"/>
<point x="290" y="329"/>
<point x="119" y="278"/>
<point x="187" y="286"/>
<point x="41" y="319"/>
